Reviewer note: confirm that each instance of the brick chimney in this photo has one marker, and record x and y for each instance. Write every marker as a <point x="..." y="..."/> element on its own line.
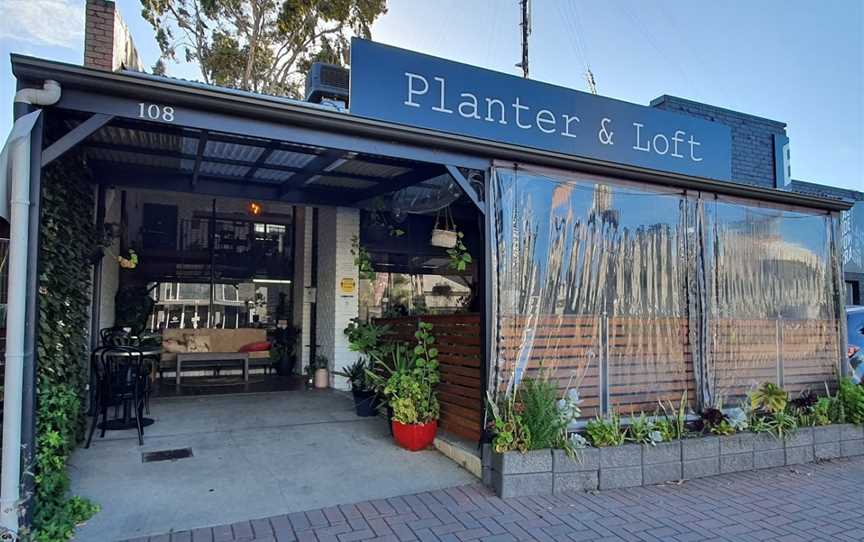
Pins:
<point x="107" y="42"/>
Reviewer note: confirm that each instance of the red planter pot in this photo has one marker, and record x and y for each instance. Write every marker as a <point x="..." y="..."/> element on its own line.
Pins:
<point x="414" y="437"/>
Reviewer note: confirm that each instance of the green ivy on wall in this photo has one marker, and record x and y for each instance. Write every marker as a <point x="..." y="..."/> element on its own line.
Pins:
<point x="66" y="248"/>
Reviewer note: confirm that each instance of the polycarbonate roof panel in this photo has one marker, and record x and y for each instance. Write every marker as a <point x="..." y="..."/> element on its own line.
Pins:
<point x="369" y="169"/>
<point x="288" y="158"/>
<point x="233" y="151"/>
<point x="272" y="175"/>
<point x="223" y="170"/>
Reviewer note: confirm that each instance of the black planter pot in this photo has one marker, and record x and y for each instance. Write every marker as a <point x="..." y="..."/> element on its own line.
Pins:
<point x="365" y="403"/>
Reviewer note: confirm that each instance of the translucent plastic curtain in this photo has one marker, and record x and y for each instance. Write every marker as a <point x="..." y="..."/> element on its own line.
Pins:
<point x="636" y="294"/>
<point x="592" y="287"/>
<point x="772" y="312"/>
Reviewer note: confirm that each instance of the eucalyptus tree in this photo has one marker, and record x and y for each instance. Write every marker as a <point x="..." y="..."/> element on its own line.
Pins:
<point x="259" y="45"/>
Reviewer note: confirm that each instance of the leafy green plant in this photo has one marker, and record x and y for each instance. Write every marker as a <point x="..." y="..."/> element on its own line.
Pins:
<point x="460" y="258"/>
<point x="535" y="418"/>
<point x="642" y="430"/>
<point x="785" y="424"/>
<point x="367" y="338"/>
<point x="411" y="391"/>
<point x="851" y="396"/>
<point x="715" y="421"/>
<point x="673" y="423"/>
<point x="362" y="259"/>
<point x="66" y="256"/>
<point x="356" y="374"/>
<point x="603" y="432"/>
<point x="809" y="410"/>
<point x="769" y="397"/>
<point x="511" y="435"/>
<point x="539" y="398"/>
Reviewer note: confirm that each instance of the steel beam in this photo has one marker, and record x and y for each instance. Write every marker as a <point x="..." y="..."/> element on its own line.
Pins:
<point x="261" y="160"/>
<point x="416" y="176"/>
<point x="466" y="187"/>
<point x="74" y="136"/>
<point x="155" y="178"/>
<point x="315" y="167"/>
<point x="219" y="160"/>
<point x="199" y="155"/>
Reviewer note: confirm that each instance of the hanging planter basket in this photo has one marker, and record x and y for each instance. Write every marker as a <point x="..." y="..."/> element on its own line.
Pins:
<point x="446" y="236"/>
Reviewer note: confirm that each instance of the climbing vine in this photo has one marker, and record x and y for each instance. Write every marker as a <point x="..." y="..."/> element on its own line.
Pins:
<point x="66" y="248"/>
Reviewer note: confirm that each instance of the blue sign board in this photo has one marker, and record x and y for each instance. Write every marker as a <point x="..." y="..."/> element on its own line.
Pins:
<point x="405" y="87"/>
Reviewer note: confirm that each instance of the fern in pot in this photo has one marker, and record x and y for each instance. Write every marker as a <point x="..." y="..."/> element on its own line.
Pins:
<point x="363" y="390"/>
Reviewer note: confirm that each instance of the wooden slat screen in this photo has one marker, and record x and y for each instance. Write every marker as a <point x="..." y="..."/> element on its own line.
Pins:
<point x="798" y="354"/>
<point x="566" y="347"/>
<point x="651" y="359"/>
<point x="458" y="338"/>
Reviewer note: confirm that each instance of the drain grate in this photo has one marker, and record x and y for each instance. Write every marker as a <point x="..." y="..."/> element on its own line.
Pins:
<point x="166" y="455"/>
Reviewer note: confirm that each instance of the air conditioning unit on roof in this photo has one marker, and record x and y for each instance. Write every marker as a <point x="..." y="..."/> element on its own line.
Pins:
<point x="327" y="81"/>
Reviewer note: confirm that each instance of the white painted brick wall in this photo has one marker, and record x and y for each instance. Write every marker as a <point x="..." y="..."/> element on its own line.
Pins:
<point x="110" y="266"/>
<point x="302" y="282"/>
<point x="336" y="227"/>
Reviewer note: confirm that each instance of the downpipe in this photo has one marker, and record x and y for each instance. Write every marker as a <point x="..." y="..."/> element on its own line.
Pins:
<point x="19" y="156"/>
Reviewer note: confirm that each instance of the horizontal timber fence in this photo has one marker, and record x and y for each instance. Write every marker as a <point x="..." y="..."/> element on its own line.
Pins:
<point x="458" y="338"/>
<point x="629" y="364"/>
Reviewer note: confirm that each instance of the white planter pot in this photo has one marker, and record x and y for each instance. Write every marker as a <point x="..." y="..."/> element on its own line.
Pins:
<point x="322" y="378"/>
<point x="444" y="238"/>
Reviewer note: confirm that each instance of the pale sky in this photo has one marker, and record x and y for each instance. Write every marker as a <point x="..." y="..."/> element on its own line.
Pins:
<point x="795" y="61"/>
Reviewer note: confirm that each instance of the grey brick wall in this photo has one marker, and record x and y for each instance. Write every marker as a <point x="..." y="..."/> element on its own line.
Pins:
<point x="752" y="137"/>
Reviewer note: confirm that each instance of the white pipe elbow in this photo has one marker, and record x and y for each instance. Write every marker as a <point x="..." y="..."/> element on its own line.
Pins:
<point x="49" y="94"/>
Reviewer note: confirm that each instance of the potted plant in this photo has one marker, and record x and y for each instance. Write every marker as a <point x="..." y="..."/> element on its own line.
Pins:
<point x="283" y="349"/>
<point x="321" y="375"/>
<point x="410" y="392"/>
<point x="365" y="396"/>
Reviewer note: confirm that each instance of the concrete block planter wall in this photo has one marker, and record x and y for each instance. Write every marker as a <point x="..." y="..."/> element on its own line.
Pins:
<point x="545" y="472"/>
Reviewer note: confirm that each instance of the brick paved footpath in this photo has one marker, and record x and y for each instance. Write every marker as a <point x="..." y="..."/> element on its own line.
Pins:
<point x="808" y="502"/>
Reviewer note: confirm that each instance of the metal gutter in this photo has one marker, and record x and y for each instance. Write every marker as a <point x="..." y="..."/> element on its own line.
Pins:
<point x="274" y="109"/>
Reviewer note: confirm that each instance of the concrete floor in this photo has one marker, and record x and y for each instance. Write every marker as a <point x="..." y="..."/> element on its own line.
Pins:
<point x="255" y="455"/>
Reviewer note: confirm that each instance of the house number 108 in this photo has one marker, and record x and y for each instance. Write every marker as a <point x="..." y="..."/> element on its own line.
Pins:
<point x="156" y="112"/>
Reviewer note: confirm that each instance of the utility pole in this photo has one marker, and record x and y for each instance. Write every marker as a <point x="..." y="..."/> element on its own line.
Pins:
<point x="526" y="31"/>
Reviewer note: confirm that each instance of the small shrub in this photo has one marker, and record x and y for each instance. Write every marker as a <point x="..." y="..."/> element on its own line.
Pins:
<point x="643" y="431"/>
<point x="769" y="397"/>
<point x="603" y="432"/>
<point x="539" y="399"/>
<point x="510" y="433"/>
<point x="673" y="424"/>
<point x="851" y="396"/>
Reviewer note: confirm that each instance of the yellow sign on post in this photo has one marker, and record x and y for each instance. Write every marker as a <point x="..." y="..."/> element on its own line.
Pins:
<point x="348" y="285"/>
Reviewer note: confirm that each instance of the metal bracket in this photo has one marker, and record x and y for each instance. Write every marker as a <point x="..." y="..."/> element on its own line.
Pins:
<point x="74" y="136"/>
<point x="466" y="187"/>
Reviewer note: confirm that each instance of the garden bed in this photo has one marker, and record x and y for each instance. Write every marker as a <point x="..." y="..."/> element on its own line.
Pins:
<point x="546" y="472"/>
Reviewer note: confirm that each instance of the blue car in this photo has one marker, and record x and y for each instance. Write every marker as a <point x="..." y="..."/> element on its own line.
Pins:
<point x="855" y="352"/>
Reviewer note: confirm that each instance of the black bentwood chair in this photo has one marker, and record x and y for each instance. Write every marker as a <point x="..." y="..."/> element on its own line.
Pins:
<point x="117" y="336"/>
<point x="121" y="378"/>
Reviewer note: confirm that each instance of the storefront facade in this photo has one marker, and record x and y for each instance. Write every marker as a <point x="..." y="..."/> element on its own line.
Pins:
<point x="639" y="253"/>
